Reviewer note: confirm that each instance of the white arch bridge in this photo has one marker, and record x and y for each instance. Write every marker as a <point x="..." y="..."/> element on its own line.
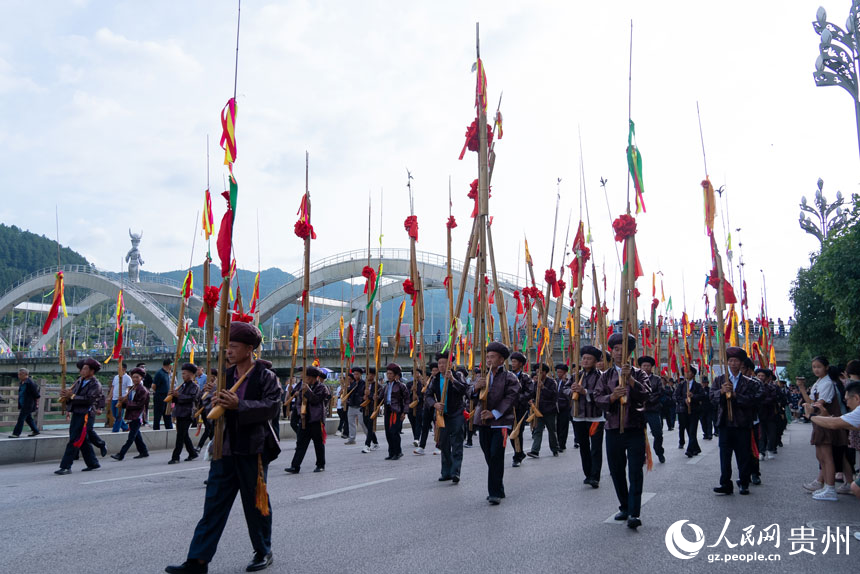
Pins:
<point x="149" y="299"/>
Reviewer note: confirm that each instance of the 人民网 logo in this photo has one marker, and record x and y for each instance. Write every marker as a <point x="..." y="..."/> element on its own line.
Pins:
<point x="677" y="543"/>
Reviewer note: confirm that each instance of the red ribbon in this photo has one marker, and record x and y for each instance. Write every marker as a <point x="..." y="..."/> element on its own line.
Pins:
<point x="409" y="289"/>
<point x="242" y="318"/>
<point x="519" y="302"/>
<point x="472" y="139"/>
<point x="411" y="225"/>
<point x="225" y="237"/>
<point x="210" y="301"/>
<point x="452" y="223"/>
<point x="549" y="277"/>
<point x="370" y="274"/>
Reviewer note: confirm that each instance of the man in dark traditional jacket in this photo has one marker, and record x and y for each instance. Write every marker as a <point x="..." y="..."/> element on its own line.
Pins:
<point x="81" y="401"/>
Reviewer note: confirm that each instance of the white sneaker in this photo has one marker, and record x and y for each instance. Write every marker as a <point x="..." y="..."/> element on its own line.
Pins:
<point x="844" y="489"/>
<point x="813" y="486"/>
<point x="365" y="449"/>
<point x="828" y="494"/>
<point x="414" y="443"/>
<point x="418" y="450"/>
<point x="770" y="455"/>
<point x="857" y="534"/>
<point x="761" y="456"/>
<point x="437" y="451"/>
<point x="374" y="447"/>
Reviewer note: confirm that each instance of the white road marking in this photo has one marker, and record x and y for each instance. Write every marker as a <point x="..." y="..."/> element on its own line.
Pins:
<point x="345" y="489"/>
<point x="646" y="496"/>
<point x="696" y="459"/>
<point x="145" y="475"/>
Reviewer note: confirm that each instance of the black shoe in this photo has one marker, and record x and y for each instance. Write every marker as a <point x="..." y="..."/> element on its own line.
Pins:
<point x="681" y="445"/>
<point x="455" y="479"/>
<point x="398" y="456"/>
<point x="191" y="457"/>
<point x="743" y="490"/>
<point x="389" y="458"/>
<point x="14" y="436"/>
<point x="723" y="489"/>
<point x="560" y="450"/>
<point x="621" y="516"/>
<point x="594" y="483"/>
<point x="63" y="471"/>
<point x="171" y="461"/>
<point x="494" y="500"/>
<point x="102" y="449"/>
<point x="633" y="523"/>
<point x="96" y="467"/>
<point x="756" y="479"/>
<point x="516" y="464"/>
<point x="445" y="478"/>
<point x="576" y="445"/>
<point x="661" y="458"/>
<point x="586" y="481"/>
<point x="690" y="454"/>
<point x="37" y="433"/>
<point x="260" y="562"/>
<point x="116" y="456"/>
<point x="319" y="469"/>
<point x="142" y="455"/>
<point x="555" y="453"/>
<point x="533" y="454"/>
<point x="292" y="470"/>
<point x="188" y="567"/>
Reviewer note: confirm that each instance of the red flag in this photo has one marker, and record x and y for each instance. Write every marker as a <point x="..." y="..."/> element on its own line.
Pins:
<point x="225" y="237"/>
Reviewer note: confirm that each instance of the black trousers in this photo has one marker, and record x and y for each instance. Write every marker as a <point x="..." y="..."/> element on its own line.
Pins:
<point x="76" y="427"/>
<point x="708" y="423"/>
<point x="25" y="417"/>
<point x="159" y="408"/>
<point x="343" y="424"/>
<point x="92" y="435"/>
<point x="133" y="438"/>
<point x="183" y="439"/>
<point x="626" y="452"/>
<point x="735" y="441"/>
<point x="227" y="477"/>
<point x="590" y="448"/>
<point x="415" y="422"/>
<point x="392" y="432"/>
<point x="562" y="425"/>
<point x="655" y="423"/>
<point x="769" y="434"/>
<point x="208" y="431"/>
<point x="451" y="444"/>
<point x="370" y="425"/>
<point x="753" y="462"/>
<point x="311" y="432"/>
<point x="688" y="423"/>
<point x="427" y="418"/>
<point x="668" y="415"/>
<point x="519" y="452"/>
<point x="493" y="445"/>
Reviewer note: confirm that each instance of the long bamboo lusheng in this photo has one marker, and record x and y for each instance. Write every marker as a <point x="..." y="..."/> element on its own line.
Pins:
<point x="224" y="338"/>
<point x="217" y="411"/>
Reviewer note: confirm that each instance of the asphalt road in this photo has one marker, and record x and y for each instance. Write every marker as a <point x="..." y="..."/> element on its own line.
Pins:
<point x="138" y="515"/>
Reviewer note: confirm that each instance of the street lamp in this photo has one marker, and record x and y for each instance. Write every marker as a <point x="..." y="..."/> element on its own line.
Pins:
<point x="826" y="225"/>
<point x="272" y="338"/>
<point x="839" y="52"/>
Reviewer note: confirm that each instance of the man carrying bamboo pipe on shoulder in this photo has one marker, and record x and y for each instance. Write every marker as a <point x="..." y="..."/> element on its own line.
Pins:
<point x="183" y="398"/>
<point x="249" y="445"/>
<point x="445" y="397"/>
<point x="548" y="408"/>
<point x="396" y="398"/>
<point x="496" y="417"/>
<point x="315" y="395"/>
<point x="427" y="415"/>
<point x="81" y="402"/>
<point x="521" y="407"/>
<point x="652" y="409"/>
<point x="204" y="405"/>
<point x="369" y="422"/>
<point x="134" y="404"/>
<point x="588" y="419"/>
<point x="625" y="449"/>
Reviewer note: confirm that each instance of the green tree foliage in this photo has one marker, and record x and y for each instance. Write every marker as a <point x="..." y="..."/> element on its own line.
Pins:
<point x="22" y="253"/>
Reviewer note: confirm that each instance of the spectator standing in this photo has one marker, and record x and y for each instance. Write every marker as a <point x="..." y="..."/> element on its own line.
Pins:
<point x="28" y="403"/>
<point x="161" y="387"/>
<point x="119" y="388"/>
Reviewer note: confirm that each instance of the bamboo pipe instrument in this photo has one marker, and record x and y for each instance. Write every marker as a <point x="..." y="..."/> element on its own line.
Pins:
<point x="218" y="411"/>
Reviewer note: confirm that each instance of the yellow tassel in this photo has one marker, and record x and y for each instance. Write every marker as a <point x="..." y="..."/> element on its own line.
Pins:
<point x="649" y="462"/>
<point x="261" y="494"/>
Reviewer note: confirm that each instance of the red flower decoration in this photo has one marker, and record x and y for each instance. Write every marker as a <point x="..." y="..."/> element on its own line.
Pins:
<point x="243" y="318"/>
<point x="452" y="223"/>
<point x="561" y="285"/>
<point x="303" y="229"/>
<point x="714" y="279"/>
<point x="636" y="292"/>
<point x="624" y="227"/>
<point x="550" y="278"/>
<point x="210" y="295"/>
<point x="519" y="302"/>
<point x="411" y="225"/>
<point x="409" y="289"/>
<point x="654" y="303"/>
<point x="472" y="139"/>
<point x="473" y="195"/>
<point x="370" y="274"/>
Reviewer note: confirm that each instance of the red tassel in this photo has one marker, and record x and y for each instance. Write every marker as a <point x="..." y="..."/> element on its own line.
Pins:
<point x="755" y="452"/>
<point x="80" y="441"/>
<point x="324" y="435"/>
<point x="504" y="438"/>
<point x="593" y="429"/>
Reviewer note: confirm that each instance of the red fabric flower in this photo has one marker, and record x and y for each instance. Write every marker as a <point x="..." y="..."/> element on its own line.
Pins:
<point x="242" y="318"/>
<point x="624" y="227"/>
<point x="472" y="139"/>
<point x="370" y="274"/>
<point x="411" y="225"/>
<point x="210" y="301"/>
<point x="409" y="289"/>
<point x="452" y="223"/>
<point x="303" y="229"/>
<point x="561" y="286"/>
<point x="473" y="195"/>
<point x="519" y="302"/>
<point x="550" y="278"/>
<point x="654" y="303"/>
<point x="636" y="292"/>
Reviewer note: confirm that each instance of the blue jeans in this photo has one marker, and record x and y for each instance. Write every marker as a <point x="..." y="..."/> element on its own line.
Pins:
<point x="118" y="423"/>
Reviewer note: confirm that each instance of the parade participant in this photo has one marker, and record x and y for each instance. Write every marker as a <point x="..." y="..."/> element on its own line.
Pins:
<point x="588" y="419"/>
<point x="369" y="424"/>
<point x="562" y="419"/>
<point x="119" y="388"/>
<point x="667" y="399"/>
<point x="135" y="403"/>
<point x="444" y="397"/>
<point x="28" y="402"/>
<point x="625" y="451"/>
<point x="771" y="405"/>
<point x="81" y="400"/>
<point x="497" y="417"/>
<point x="748" y="370"/>
<point x="708" y="412"/>
<point x="427" y="415"/>
<point x="147" y="384"/>
<point x="735" y="433"/>
<point x="470" y="428"/>
<point x="414" y="414"/>
<point x="343" y="423"/>
<point x="204" y="401"/>
<point x="652" y="409"/>
<point x="547" y="405"/>
<point x="354" y="414"/>
<point x="521" y="406"/>
<point x="689" y="397"/>
<point x="92" y="436"/>
<point x="396" y="398"/>
<point x="183" y="398"/>
<point x="161" y="386"/>
<point x="249" y="445"/>
<point x="313" y="396"/>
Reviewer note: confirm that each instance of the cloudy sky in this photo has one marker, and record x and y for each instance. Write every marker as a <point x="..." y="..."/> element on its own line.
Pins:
<point x="107" y="106"/>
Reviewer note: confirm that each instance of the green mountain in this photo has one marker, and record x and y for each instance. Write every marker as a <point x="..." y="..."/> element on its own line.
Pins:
<point x="23" y="252"/>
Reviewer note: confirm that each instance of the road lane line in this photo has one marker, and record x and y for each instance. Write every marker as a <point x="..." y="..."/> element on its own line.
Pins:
<point x="144" y="475"/>
<point x="345" y="489"/>
<point x="646" y="496"/>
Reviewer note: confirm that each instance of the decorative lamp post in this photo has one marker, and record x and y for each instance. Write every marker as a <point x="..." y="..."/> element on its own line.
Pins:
<point x="829" y="217"/>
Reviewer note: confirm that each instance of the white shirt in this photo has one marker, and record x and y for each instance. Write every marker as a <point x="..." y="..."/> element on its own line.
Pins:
<point x="825" y="388"/>
<point x="126" y="383"/>
<point x="852" y="418"/>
